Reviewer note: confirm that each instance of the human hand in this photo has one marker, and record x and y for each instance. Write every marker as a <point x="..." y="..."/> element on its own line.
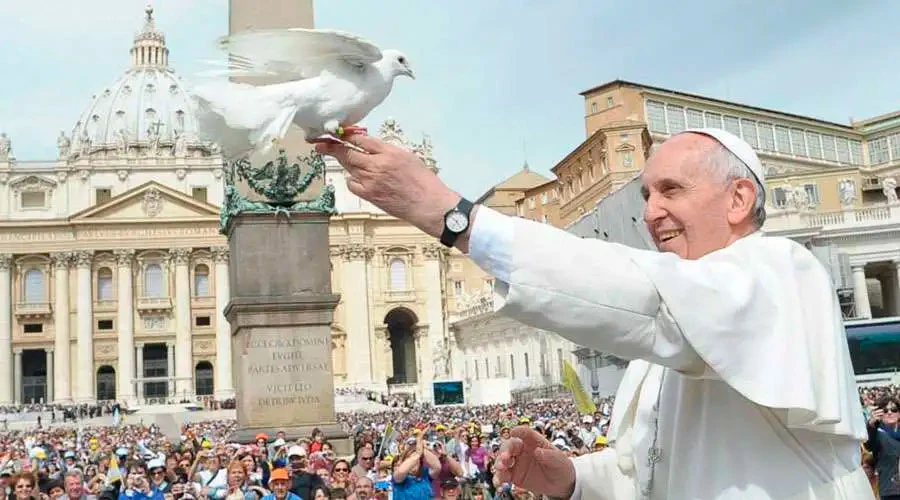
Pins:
<point x="527" y="459"/>
<point x="395" y="180"/>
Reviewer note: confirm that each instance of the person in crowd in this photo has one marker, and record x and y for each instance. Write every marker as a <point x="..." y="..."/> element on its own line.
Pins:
<point x="692" y="318"/>
<point x="74" y="487"/>
<point x="884" y="443"/>
<point x="279" y="485"/>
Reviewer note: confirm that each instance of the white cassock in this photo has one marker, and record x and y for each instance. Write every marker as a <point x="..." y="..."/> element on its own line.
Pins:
<point x="742" y="386"/>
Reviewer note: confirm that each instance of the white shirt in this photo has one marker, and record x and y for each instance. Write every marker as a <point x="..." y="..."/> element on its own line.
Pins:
<point x="742" y="385"/>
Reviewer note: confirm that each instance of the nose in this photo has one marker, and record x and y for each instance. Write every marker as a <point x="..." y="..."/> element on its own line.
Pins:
<point x="653" y="210"/>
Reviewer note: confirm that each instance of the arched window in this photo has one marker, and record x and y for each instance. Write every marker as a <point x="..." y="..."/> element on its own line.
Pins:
<point x="34" y="286"/>
<point x="398" y="274"/>
<point x="201" y="280"/>
<point x="153" y="281"/>
<point x="104" y="284"/>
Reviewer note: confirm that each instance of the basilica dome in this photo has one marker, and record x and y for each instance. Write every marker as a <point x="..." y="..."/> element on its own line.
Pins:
<point x="147" y="109"/>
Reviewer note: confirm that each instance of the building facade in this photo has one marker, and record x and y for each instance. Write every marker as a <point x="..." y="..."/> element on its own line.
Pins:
<point x="114" y="276"/>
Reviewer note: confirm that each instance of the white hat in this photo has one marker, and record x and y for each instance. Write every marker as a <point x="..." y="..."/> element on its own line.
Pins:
<point x="737" y="146"/>
<point x="296" y="451"/>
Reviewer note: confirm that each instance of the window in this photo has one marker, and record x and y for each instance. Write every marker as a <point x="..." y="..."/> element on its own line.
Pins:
<point x="199" y="194"/>
<point x="33" y="199"/>
<point x="105" y="324"/>
<point x="878" y="151"/>
<point x="627" y="159"/>
<point x="487" y="368"/>
<point x="656" y="116"/>
<point x="713" y="120"/>
<point x="733" y="125"/>
<point x="856" y="152"/>
<point x="498" y="370"/>
<point x="593" y="107"/>
<point x="543" y="363"/>
<point x="843" y="149"/>
<point x="477" y="373"/>
<point x="457" y="288"/>
<point x="201" y="280"/>
<point x="812" y="192"/>
<point x="527" y="368"/>
<point x="829" y="152"/>
<point x="798" y="142"/>
<point x="609" y="101"/>
<point x="202" y="321"/>
<point x="105" y="284"/>
<point x="102" y="195"/>
<point x="512" y="366"/>
<point x="694" y="118"/>
<point x="398" y="274"/>
<point x="895" y="147"/>
<point x="544" y="195"/>
<point x="34" y="286"/>
<point x="779" y="197"/>
<point x="153" y="281"/>
<point x="748" y="132"/>
<point x="33" y="328"/>
<point x="783" y="140"/>
<point x="675" y="115"/>
<point x="766" y="137"/>
<point x="813" y="142"/>
<point x="531" y="203"/>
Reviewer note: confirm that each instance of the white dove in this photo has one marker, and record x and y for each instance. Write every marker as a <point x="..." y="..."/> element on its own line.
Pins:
<point x="330" y="81"/>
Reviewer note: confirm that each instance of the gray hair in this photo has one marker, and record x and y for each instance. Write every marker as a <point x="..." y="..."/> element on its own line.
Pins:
<point x="729" y="167"/>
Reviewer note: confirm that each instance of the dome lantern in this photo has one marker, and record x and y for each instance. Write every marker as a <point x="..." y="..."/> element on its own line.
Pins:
<point x="149" y="50"/>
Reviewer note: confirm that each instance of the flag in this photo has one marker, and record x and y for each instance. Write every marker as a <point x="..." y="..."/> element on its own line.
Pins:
<point x="570" y="380"/>
<point x="114" y="473"/>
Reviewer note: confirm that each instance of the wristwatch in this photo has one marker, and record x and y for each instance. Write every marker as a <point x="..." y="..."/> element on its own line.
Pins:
<point x="456" y="221"/>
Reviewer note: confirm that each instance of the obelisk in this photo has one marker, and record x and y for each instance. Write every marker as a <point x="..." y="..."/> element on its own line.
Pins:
<point x="282" y="304"/>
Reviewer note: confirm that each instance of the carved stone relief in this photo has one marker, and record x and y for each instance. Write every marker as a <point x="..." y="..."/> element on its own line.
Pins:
<point x="152" y="204"/>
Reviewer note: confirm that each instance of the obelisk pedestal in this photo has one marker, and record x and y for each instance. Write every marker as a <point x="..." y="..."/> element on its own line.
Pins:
<point x="281" y="312"/>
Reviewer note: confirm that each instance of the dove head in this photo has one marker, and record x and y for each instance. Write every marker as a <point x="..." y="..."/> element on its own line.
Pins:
<point x="396" y="64"/>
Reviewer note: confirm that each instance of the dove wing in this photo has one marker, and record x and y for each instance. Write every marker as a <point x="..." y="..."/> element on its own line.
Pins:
<point x="295" y="53"/>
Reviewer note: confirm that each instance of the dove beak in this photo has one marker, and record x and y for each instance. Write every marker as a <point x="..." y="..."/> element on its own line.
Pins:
<point x="409" y="73"/>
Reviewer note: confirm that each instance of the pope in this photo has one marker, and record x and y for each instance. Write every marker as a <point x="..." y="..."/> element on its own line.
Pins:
<point x="740" y="384"/>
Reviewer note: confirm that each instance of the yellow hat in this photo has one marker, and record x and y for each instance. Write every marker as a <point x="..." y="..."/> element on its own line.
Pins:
<point x="600" y="440"/>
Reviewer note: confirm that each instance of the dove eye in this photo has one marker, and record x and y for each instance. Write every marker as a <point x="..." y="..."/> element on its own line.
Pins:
<point x="402" y="60"/>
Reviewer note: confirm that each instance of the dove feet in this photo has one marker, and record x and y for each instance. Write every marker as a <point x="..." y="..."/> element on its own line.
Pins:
<point x="353" y="130"/>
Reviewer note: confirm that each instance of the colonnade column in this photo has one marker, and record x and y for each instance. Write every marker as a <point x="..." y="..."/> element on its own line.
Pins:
<point x="861" y="293"/>
<point x="355" y="293"/>
<point x="170" y="368"/>
<point x="62" y="344"/>
<point x="224" y="384"/>
<point x="17" y="376"/>
<point x="432" y="354"/>
<point x="50" y="396"/>
<point x="183" y="343"/>
<point x="6" y="354"/>
<point x="125" y="316"/>
<point x="139" y="370"/>
<point x="85" y="322"/>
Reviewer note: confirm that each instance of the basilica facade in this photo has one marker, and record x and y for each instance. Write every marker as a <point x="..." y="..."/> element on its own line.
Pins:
<point x="114" y="275"/>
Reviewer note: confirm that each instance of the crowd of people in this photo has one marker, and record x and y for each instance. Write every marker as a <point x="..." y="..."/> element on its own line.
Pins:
<point x="419" y="452"/>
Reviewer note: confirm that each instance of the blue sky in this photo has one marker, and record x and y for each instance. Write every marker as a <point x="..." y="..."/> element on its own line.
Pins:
<point x="497" y="80"/>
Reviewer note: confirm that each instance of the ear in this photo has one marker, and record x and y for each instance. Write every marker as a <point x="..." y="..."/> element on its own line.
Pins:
<point x="743" y="197"/>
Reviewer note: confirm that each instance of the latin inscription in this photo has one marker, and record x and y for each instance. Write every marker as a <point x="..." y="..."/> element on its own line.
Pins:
<point x="289" y="372"/>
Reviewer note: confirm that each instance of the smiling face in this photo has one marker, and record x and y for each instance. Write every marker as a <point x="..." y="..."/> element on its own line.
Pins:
<point x="692" y="209"/>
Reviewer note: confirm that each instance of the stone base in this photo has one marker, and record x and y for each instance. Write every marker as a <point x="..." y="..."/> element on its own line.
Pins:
<point x="340" y="441"/>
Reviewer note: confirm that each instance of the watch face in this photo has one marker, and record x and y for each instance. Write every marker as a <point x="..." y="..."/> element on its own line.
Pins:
<point x="457" y="222"/>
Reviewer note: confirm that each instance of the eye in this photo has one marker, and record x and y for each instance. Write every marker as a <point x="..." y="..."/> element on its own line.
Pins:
<point x="402" y="60"/>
